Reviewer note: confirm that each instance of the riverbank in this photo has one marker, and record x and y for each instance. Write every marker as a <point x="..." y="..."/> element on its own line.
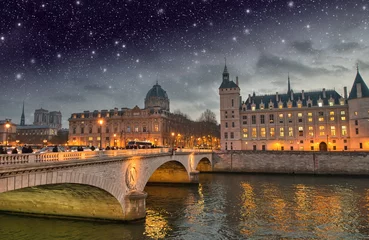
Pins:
<point x="292" y="162"/>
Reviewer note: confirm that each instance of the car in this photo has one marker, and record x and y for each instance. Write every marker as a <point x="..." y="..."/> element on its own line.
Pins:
<point x="49" y="149"/>
<point x="74" y="149"/>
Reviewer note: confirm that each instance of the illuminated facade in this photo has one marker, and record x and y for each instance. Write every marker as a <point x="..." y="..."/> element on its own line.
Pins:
<point x="306" y="121"/>
<point x="153" y="123"/>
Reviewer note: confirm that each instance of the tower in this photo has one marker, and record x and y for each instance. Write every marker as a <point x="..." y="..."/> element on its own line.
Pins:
<point x="358" y="105"/>
<point x="22" y="121"/>
<point x="230" y="103"/>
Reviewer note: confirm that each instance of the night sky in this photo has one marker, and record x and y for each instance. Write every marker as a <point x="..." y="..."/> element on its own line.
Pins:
<point x="72" y="56"/>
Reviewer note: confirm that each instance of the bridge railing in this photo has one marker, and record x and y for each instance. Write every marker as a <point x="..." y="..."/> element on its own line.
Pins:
<point x="11" y="159"/>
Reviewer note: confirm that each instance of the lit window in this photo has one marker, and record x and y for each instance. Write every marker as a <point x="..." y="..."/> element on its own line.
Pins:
<point x="310" y="119"/>
<point x="343" y="112"/>
<point x="299" y="105"/>
<point x="343" y="118"/>
<point x="290" y="132"/>
<point x="299" y="114"/>
<point x="281" y="132"/>
<point x="333" y="130"/>
<point x="272" y="133"/>
<point x="321" y="130"/>
<point x="245" y="134"/>
<point x="289" y="115"/>
<point x="156" y="127"/>
<point x="310" y="114"/>
<point x="280" y="105"/>
<point x="331" y="103"/>
<point x="355" y="113"/>
<point x="320" y="104"/>
<point x="331" y="113"/>
<point x="321" y="119"/>
<point x="281" y="115"/>
<point x="253" y="108"/>
<point x="344" y="130"/>
<point x="331" y="118"/>
<point x="262" y="132"/>
<point x="254" y="134"/>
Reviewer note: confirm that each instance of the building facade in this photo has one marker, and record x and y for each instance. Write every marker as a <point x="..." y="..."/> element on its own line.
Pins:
<point x="116" y="127"/>
<point x="43" y="117"/>
<point x="305" y="121"/>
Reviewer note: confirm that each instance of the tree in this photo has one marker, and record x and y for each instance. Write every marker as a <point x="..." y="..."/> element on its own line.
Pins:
<point x="208" y="116"/>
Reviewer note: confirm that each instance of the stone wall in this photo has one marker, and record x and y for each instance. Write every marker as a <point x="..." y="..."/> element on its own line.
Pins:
<point x="350" y="163"/>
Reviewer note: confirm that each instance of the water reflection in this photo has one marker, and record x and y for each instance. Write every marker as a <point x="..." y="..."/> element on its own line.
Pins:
<point x="226" y="206"/>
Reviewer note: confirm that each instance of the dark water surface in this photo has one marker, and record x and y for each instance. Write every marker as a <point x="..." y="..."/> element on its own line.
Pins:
<point x="226" y="206"/>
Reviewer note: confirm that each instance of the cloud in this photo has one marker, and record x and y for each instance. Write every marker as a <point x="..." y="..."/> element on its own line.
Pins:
<point x="347" y="47"/>
<point x="96" y="88"/>
<point x="67" y="98"/>
<point x="363" y="65"/>
<point x="305" y="47"/>
<point x="273" y="65"/>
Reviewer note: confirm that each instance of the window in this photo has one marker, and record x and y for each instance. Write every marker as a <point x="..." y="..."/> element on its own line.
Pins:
<point x="244" y="117"/>
<point x="254" y="134"/>
<point x="344" y="131"/>
<point x="253" y="107"/>
<point x="253" y="119"/>
<point x="299" y="114"/>
<point x="272" y="132"/>
<point x="334" y="148"/>
<point x="262" y="119"/>
<point x="343" y="112"/>
<point x="98" y="138"/>
<point x="74" y="130"/>
<point x="290" y="131"/>
<point x="291" y="148"/>
<point x="232" y="135"/>
<point x="345" y="141"/>
<point x="245" y="135"/>
<point x="143" y="129"/>
<point x="321" y="131"/>
<point x="310" y="114"/>
<point x="310" y="119"/>
<point x="331" y="103"/>
<point x="357" y="130"/>
<point x="320" y="104"/>
<point x="343" y="118"/>
<point x="321" y="119"/>
<point x="331" y="118"/>
<point x="244" y="122"/>
<point x="107" y="130"/>
<point x="232" y="124"/>
<point x="156" y="127"/>
<point x="128" y="129"/>
<point x="320" y="113"/>
<point x="99" y="130"/>
<point x="271" y="118"/>
<point x="226" y="125"/>
<point x="333" y="130"/>
<point x="301" y="131"/>
<point x="331" y="113"/>
<point x="90" y="138"/>
<point x="281" y="115"/>
<point x="281" y="132"/>
<point x="311" y="141"/>
<point x="90" y="130"/>
<point x="361" y="145"/>
<point x="355" y="113"/>
<point x="225" y="135"/>
<point x="82" y="130"/>
<point x="356" y="123"/>
<point x="232" y="103"/>
<point x="334" y="141"/>
<point x="262" y="132"/>
<point x="312" y="148"/>
<point x="345" y="147"/>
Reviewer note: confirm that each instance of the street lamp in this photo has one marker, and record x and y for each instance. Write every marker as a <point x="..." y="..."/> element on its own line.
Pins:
<point x="115" y="141"/>
<point x="101" y="123"/>
<point x="45" y="141"/>
<point x="173" y="140"/>
<point x="7" y="125"/>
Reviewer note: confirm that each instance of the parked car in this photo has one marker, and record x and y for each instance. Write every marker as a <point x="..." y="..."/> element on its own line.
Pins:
<point x="49" y="149"/>
<point x="74" y="149"/>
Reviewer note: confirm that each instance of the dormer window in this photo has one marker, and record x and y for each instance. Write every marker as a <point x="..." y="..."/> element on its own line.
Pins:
<point x="342" y="101"/>
<point x="289" y="104"/>
<point x="253" y="107"/>
<point x="280" y="105"/>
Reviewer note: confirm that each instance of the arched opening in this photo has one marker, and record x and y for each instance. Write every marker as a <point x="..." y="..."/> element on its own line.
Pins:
<point x="323" y="147"/>
<point x="204" y="165"/>
<point x="170" y="172"/>
<point x="64" y="200"/>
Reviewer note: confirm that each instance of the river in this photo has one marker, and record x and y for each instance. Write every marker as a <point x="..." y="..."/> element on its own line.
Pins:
<point x="226" y="206"/>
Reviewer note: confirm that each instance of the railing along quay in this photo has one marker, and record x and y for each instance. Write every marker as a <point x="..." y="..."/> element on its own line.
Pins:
<point x="12" y="159"/>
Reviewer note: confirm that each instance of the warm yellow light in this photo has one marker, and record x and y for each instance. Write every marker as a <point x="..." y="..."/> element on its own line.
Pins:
<point x="173" y="134"/>
<point x="101" y="121"/>
<point x="115" y="135"/>
<point x="7" y="125"/>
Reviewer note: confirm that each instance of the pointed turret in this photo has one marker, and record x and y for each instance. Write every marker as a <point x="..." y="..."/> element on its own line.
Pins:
<point x="22" y="121"/>
<point x="289" y="86"/>
<point x="225" y="72"/>
<point x="359" y="88"/>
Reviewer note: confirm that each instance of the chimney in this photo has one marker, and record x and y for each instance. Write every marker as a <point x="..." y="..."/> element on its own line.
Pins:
<point x="303" y="95"/>
<point x="237" y="80"/>
<point x="276" y="96"/>
<point x="358" y="89"/>
<point x="324" y="96"/>
<point x="250" y="98"/>
<point x="291" y="95"/>
<point x="345" y="92"/>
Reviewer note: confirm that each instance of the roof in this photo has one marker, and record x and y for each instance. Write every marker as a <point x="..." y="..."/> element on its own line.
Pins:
<point x="156" y="91"/>
<point x="314" y="96"/>
<point x="34" y="127"/>
<point x="364" y="88"/>
<point x="228" y="84"/>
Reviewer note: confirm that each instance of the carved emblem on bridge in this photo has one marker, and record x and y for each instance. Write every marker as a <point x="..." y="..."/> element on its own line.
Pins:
<point x="131" y="177"/>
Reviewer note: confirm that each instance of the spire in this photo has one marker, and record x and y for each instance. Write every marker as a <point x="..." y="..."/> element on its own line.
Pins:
<point x="289" y="86"/>
<point x="359" y="88"/>
<point x="225" y="65"/>
<point x="22" y="122"/>
<point x="357" y="67"/>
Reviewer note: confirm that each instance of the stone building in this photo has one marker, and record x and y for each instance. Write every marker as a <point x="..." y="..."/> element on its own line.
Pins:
<point x="51" y="119"/>
<point x="306" y="121"/>
<point x="154" y="123"/>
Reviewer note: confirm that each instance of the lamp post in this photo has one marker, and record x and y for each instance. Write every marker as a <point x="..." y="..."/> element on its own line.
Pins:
<point x="7" y="125"/>
<point x="101" y="123"/>
<point x="45" y="142"/>
<point x="173" y="140"/>
<point x="115" y="141"/>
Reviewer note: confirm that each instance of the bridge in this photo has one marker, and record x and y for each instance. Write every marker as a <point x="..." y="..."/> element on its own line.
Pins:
<point x="100" y="185"/>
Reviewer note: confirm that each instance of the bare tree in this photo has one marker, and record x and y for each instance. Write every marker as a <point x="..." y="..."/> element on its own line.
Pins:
<point x="208" y="116"/>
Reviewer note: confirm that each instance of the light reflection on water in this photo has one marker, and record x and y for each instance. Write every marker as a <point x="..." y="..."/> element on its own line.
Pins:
<point x="227" y="206"/>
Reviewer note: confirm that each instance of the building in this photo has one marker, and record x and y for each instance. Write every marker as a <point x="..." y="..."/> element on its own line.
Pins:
<point x="154" y="123"/>
<point x="7" y="131"/>
<point x="45" y="127"/>
<point x="306" y="121"/>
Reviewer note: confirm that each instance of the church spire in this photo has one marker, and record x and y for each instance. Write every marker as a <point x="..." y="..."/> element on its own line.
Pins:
<point x="22" y="122"/>
<point x="225" y="72"/>
<point x="357" y="67"/>
<point x="289" y="85"/>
